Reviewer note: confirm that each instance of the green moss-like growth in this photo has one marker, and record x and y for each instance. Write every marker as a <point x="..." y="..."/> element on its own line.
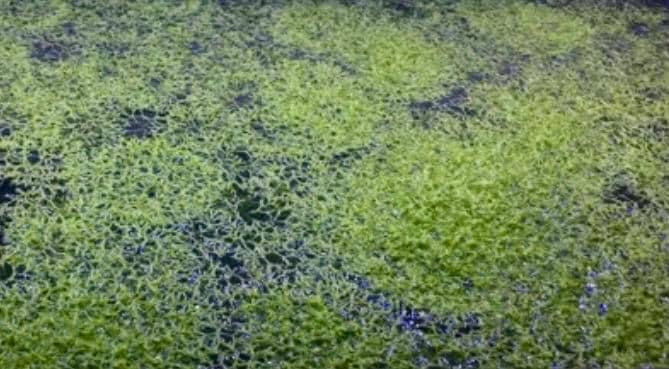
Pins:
<point x="353" y="184"/>
<point x="528" y="28"/>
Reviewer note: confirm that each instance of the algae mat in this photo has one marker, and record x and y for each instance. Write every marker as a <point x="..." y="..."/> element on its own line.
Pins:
<point x="352" y="184"/>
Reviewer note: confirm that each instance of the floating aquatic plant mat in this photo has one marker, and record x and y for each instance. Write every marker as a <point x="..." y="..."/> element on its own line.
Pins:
<point x="352" y="184"/>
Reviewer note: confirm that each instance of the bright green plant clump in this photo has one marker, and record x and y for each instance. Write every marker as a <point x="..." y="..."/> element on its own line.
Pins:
<point x="340" y="184"/>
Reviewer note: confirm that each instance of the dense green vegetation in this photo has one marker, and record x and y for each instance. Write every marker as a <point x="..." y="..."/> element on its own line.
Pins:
<point x="351" y="184"/>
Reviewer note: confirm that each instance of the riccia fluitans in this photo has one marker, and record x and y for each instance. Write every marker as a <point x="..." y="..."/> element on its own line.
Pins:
<point x="343" y="184"/>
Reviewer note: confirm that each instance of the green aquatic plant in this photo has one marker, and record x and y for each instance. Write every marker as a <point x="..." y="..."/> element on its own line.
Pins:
<point x="528" y="28"/>
<point x="352" y="184"/>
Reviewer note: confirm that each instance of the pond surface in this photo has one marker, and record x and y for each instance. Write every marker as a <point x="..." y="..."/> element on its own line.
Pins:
<point x="341" y="184"/>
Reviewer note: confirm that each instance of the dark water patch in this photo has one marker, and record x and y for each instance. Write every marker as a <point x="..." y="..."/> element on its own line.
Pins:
<point x="50" y="51"/>
<point x="227" y="260"/>
<point x="234" y="3"/>
<point x="477" y="76"/>
<point x="418" y="108"/>
<point x="211" y="246"/>
<point x="235" y="247"/>
<point x="292" y="175"/>
<point x="269" y="133"/>
<point x="155" y="82"/>
<point x="660" y="129"/>
<point x="654" y="131"/>
<point x="255" y="205"/>
<point x="243" y="154"/>
<point x="639" y="29"/>
<point x="453" y="103"/>
<point x="553" y="3"/>
<point x="49" y="184"/>
<point x="222" y="266"/>
<point x="421" y="325"/>
<point x="244" y="96"/>
<point x="142" y="123"/>
<point x="251" y="210"/>
<point x="5" y="130"/>
<point x="347" y="157"/>
<point x="70" y="29"/>
<point x="259" y="128"/>
<point x="350" y="2"/>
<point x="509" y="70"/>
<point x="8" y="190"/>
<point x="243" y="101"/>
<point x="652" y="93"/>
<point x="297" y="177"/>
<point x="3" y="159"/>
<point x="468" y="323"/>
<point x="624" y="193"/>
<point x="344" y="67"/>
<point x="467" y="285"/>
<point x="195" y="48"/>
<point x="404" y="6"/>
<point x="656" y="3"/>
<point x="261" y="40"/>
<point x="33" y="157"/>
<point x="11" y="275"/>
<point x="274" y="258"/>
<point x="286" y="261"/>
<point x="407" y="318"/>
<point x="6" y="271"/>
<point x="144" y="29"/>
<point x="288" y="175"/>
<point x="3" y="223"/>
<point x="617" y="4"/>
<point x="259" y="209"/>
<point x="198" y="230"/>
<point x="457" y="359"/>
